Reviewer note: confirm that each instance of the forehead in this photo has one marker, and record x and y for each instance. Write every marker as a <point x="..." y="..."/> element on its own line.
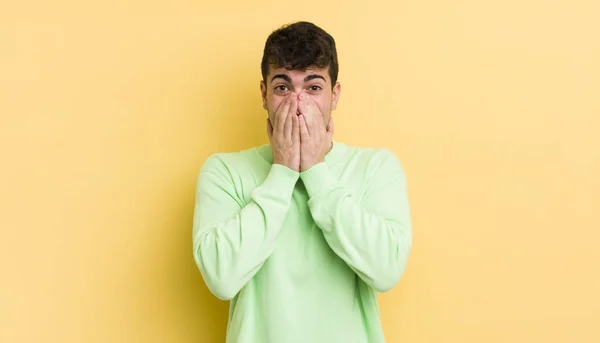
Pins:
<point x="299" y="75"/>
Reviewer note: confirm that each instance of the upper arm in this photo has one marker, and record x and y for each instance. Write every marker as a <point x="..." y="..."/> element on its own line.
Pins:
<point x="216" y="196"/>
<point x="386" y="192"/>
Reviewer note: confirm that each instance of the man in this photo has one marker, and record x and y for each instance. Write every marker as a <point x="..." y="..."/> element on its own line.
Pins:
<point x="302" y="233"/>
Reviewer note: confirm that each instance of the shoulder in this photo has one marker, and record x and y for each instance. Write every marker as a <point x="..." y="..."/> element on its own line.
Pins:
<point x="380" y="169"/>
<point x="230" y="162"/>
<point x="377" y="160"/>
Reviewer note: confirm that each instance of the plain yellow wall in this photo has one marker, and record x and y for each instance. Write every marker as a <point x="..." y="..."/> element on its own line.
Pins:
<point x="109" y="108"/>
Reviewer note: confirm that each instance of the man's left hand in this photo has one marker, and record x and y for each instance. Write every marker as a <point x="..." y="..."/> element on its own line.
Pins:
<point x="315" y="135"/>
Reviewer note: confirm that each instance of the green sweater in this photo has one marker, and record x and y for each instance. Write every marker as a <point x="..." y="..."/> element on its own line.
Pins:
<point x="302" y="256"/>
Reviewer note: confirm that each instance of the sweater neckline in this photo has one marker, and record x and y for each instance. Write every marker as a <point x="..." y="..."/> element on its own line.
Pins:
<point x="334" y="155"/>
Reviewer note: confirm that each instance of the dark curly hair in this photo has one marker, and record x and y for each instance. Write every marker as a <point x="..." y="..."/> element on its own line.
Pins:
<point x="298" y="46"/>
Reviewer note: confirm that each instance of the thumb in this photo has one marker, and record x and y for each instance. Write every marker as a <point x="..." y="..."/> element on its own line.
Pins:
<point x="330" y="129"/>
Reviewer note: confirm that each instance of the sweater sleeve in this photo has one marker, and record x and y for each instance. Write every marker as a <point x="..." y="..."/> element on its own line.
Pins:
<point x="231" y="239"/>
<point x="372" y="236"/>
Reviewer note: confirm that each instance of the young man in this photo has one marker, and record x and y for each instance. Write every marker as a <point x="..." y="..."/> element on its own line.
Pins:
<point x="302" y="233"/>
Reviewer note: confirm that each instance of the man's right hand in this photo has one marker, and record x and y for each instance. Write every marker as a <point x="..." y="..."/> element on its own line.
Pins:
<point x="284" y="134"/>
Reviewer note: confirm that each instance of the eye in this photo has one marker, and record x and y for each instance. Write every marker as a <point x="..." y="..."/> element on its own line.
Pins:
<point x="281" y="88"/>
<point x="315" y="88"/>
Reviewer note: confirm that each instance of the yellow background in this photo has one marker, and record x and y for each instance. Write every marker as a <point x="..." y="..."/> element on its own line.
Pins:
<point x="109" y="108"/>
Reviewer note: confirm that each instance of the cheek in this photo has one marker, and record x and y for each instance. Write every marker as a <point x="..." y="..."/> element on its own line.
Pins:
<point x="273" y="104"/>
<point x="324" y="106"/>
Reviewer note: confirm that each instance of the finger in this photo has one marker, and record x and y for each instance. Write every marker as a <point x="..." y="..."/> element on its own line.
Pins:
<point x="330" y="130"/>
<point x="319" y="117"/>
<point x="280" y="106"/>
<point x="294" y="106"/>
<point x="304" y="136"/>
<point x="303" y="104"/>
<point x="284" y="114"/>
<point x="308" y="113"/>
<point x="288" y="121"/>
<point x="295" y="128"/>
<point x="277" y="116"/>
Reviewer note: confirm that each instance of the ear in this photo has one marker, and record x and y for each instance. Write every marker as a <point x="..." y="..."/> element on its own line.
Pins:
<point x="335" y="96"/>
<point x="263" y="92"/>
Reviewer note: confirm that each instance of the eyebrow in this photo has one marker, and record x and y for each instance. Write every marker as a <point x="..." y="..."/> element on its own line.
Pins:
<point x="289" y="79"/>
<point x="314" y="76"/>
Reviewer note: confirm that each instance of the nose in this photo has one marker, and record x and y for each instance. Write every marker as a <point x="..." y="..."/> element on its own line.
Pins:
<point x="299" y="95"/>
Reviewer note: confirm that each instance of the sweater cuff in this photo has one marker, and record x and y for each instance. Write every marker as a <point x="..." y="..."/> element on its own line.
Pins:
<point x="318" y="179"/>
<point x="281" y="180"/>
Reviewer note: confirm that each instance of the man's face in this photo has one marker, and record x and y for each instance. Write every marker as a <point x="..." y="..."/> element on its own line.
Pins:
<point x="315" y="83"/>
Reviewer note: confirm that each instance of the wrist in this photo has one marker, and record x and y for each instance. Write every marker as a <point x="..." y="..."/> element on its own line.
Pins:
<point x="318" y="179"/>
<point x="288" y="164"/>
<point x="309" y="164"/>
